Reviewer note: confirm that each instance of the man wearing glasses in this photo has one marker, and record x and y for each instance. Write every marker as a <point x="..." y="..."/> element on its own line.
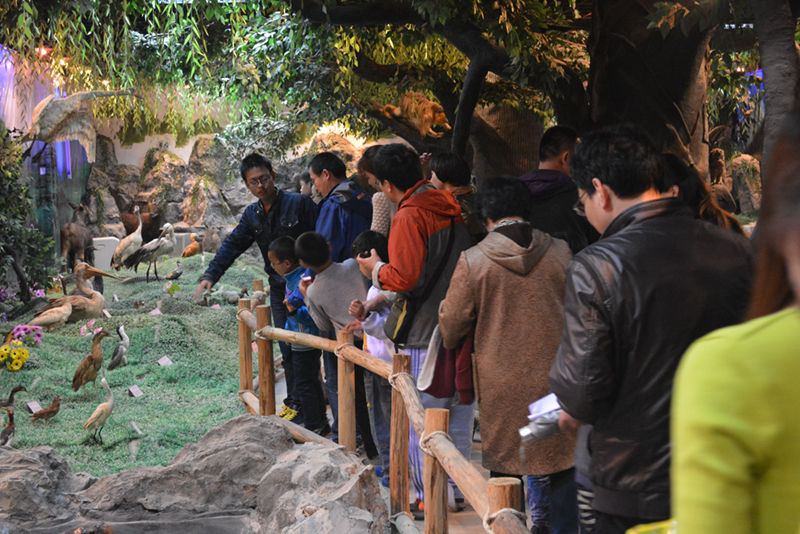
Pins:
<point x="276" y="213"/>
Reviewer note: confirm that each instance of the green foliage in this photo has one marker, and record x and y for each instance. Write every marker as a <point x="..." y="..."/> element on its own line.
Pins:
<point x="19" y="240"/>
<point x="181" y="402"/>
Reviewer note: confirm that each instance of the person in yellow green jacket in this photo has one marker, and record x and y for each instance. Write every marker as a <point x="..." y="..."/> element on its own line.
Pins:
<point x="736" y="404"/>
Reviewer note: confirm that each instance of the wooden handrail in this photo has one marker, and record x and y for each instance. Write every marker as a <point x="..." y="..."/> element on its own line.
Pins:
<point x="468" y="479"/>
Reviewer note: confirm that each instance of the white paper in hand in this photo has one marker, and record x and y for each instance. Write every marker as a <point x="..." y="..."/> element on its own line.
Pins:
<point x="542" y="406"/>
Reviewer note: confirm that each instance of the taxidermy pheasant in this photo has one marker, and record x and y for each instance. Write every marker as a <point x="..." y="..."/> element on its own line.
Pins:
<point x="62" y="119"/>
<point x="49" y="412"/>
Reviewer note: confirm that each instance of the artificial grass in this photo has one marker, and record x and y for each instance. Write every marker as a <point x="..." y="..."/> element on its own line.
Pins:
<point x="181" y="402"/>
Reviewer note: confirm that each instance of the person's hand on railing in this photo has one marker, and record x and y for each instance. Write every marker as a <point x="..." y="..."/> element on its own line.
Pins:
<point x="357" y="310"/>
<point x="353" y="326"/>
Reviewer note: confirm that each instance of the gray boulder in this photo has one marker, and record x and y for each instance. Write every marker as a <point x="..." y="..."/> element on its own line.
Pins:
<point x="124" y="185"/>
<point x="34" y="484"/>
<point x="745" y="172"/>
<point x="320" y="489"/>
<point x="208" y="160"/>
<point x="220" y="472"/>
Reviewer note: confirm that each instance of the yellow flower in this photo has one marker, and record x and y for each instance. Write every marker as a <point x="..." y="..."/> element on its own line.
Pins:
<point x="15" y="354"/>
<point x="15" y="365"/>
<point x="16" y="342"/>
<point x="20" y="354"/>
<point x="4" y="350"/>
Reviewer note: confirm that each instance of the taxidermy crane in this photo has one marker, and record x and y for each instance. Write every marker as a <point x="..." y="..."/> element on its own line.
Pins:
<point x="49" y="412"/>
<point x="120" y="356"/>
<point x="150" y="252"/>
<point x="101" y="414"/>
<point x="7" y="435"/>
<point x="129" y="245"/>
<point x="91" y="364"/>
<point x="9" y="402"/>
<point x="192" y="248"/>
<point x="62" y="119"/>
<point x="89" y="305"/>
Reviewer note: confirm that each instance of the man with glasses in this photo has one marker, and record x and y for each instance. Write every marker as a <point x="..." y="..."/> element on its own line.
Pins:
<point x="634" y="301"/>
<point x="554" y="192"/>
<point x="276" y="213"/>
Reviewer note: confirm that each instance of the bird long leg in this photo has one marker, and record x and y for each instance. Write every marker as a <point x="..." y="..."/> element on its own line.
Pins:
<point x="100" y="435"/>
<point x="155" y="269"/>
<point x="147" y="275"/>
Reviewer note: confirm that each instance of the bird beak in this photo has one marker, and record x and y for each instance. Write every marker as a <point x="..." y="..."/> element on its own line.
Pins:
<point x="91" y="271"/>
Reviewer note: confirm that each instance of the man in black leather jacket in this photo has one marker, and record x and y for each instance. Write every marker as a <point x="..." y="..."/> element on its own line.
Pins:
<point x="635" y="300"/>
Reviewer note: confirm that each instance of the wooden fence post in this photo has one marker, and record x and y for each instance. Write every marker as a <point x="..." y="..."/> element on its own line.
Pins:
<point x="398" y="452"/>
<point x="506" y="492"/>
<point x="435" y="477"/>
<point x="266" y="365"/>
<point x="245" y="351"/>
<point x="347" y="396"/>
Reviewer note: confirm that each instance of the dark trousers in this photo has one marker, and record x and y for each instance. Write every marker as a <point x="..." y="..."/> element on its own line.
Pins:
<point x="308" y="388"/>
<point x="616" y="524"/>
<point x="276" y="296"/>
<point x="552" y="500"/>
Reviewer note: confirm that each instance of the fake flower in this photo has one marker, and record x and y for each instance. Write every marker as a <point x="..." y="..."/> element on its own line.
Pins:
<point x="21" y="354"/>
<point x="14" y="365"/>
<point x="5" y="351"/>
<point x="28" y="334"/>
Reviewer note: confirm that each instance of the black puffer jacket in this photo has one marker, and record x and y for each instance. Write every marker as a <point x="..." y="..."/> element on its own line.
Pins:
<point x="656" y="281"/>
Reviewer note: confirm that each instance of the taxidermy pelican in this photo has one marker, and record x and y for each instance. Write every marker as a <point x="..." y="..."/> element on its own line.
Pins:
<point x="120" y="356"/>
<point x="101" y="414"/>
<point x="161" y="246"/>
<point x="62" y="119"/>
<point x="54" y="314"/>
<point x="7" y="435"/>
<point x="89" y="305"/>
<point x="91" y="364"/>
<point x="129" y="245"/>
<point x="192" y="248"/>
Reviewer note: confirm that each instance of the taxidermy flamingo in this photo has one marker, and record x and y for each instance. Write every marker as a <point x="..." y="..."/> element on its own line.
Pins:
<point x="91" y="364"/>
<point x="192" y="248"/>
<point x="62" y="119"/>
<point x="9" y="402"/>
<point x="129" y="245"/>
<point x="89" y="305"/>
<point x="7" y="435"/>
<point x="150" y="252"/>
<point x="120" y="356"/>
<point x="101" y="414"/>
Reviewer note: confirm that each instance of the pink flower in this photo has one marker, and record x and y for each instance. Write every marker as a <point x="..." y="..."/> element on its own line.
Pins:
<point x="96" y="330"/>
<point x="90" y="324"/>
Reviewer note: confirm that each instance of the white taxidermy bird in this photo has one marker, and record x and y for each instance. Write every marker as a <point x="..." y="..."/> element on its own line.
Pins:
<point x="128" y="245"/>
<point x="101" y="414"/>
<point x="62" y="119"/>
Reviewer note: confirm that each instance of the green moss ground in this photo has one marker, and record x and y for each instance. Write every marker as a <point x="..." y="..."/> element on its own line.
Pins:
<point x="181" y="402"/>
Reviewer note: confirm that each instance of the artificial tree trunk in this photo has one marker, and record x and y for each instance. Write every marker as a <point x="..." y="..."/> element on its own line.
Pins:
<point x="775" y="27"/>
<point x="637" y="76"/>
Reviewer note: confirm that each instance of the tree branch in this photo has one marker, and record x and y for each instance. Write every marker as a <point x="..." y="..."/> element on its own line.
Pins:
<point x="410" y="132"/>
<point x="470" y="93"/>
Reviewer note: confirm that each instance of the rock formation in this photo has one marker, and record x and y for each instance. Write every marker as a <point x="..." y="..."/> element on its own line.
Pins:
<point x="244" y="476"/>
<point x="745" y="173"/>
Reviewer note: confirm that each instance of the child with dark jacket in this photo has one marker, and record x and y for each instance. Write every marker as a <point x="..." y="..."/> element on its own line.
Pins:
<point x="308" y="394"/>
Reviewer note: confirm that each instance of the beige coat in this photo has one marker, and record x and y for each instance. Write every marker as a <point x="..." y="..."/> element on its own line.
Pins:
<point x="515" y="298"/>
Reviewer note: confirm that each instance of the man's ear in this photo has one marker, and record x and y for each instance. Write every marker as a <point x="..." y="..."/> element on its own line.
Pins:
<point x="601" y="189"/>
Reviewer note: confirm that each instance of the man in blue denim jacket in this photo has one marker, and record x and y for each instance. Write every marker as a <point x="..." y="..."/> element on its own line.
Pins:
<point x="275" y="214"/>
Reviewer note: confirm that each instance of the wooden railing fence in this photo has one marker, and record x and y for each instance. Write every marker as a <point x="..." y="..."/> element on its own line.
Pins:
<point x="498" y="501"/>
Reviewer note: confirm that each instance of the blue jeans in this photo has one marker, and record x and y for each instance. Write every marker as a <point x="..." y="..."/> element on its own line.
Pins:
<point x="276" y="296"/>
<point x="380" y="411"/>
<point x="308" y="388"/>
<point x="553" y="501"/>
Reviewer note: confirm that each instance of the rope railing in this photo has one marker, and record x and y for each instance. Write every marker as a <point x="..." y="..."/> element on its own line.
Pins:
<point x="496" y="501"/>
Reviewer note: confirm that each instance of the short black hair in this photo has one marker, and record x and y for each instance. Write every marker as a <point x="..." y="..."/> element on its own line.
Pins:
<point x="365" y="163"/>
<point x="502" y="197"/>
<point x="303" y="177"/>
<point x="368" y="240"/>
<point x="330" y="162"/>
<point x="557" y="140"/>
<point x="622" y="157"/>
<point x="312" y="249"/>
<point x="254" y="161"/>
<point x="399" y="165"/>
<point x="451" y="169"/>
<point x="283" y="248"/>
